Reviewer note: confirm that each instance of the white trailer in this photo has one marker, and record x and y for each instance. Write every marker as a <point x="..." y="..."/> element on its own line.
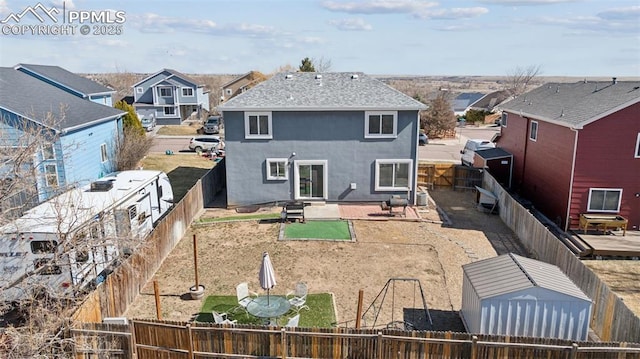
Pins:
<point x="70" y="242"/>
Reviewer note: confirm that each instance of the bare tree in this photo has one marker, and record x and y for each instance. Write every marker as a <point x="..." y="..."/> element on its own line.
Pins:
<point x="322" y="64"/>
<point x="519" y="79"/>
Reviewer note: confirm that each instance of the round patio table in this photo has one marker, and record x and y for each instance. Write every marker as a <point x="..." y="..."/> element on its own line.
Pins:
<point x="268" y="307"/>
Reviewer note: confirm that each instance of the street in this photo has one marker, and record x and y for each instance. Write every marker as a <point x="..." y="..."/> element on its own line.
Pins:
<point x="448" y="150"/>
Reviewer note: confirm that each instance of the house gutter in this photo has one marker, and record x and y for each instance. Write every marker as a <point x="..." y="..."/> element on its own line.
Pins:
<point x="71" y="129"/>
<point x="567" y="221"/>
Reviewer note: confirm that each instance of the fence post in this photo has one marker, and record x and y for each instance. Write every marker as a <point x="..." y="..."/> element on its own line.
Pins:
<point x="132" y="339"/>
<point x="190" y="338"/>
<point x="379" y="355"/>
<point x="474" y="347"/>
<point x="283" y="343"/>
<point x="574" y="351"/>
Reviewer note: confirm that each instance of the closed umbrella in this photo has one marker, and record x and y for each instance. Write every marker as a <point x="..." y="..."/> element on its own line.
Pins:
<point x="267" y="275"/>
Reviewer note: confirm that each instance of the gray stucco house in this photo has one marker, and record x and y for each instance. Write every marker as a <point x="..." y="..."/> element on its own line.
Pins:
<point x="334" y="137"/>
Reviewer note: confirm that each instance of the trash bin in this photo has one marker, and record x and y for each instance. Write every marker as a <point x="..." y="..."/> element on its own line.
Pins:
<point x="422" y="199"/>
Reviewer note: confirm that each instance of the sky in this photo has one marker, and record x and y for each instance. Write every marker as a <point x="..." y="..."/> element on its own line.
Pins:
<point x="585" y="38"/>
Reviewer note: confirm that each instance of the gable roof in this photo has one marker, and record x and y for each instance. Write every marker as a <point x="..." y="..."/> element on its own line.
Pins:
<point x="575" y="104"/>
<point x="236" y="79"/>
<point x="56" y="74"/>
<point x="171" y="73"/>
<point x="466" y="99"/>
<point x="510" y="273"/>
<point x="491" y="100"/>
<point x="34" y="99"/>
<point x="304" y="91"/>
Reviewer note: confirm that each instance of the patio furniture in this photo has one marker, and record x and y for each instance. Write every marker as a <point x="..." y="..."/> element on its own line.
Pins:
<point x="299" y="299"/>
<point x="293" y="321"/>
<point x="294" y="211"/>
<point x="221" y="318"/>
<point x="269" y="307"/>
<point x="603" y="221"/>
<point x="244" y="296"/>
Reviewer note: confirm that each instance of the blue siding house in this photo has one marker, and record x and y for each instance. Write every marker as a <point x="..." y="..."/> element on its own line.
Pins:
<point x="70" y="82"/>
<point x="170" y="97"/>
<point x="75" y="139"/>
<point x="334" y="137"/>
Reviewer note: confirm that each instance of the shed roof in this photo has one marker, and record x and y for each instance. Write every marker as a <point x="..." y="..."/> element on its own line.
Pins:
<point x="490" y="153"/>
<point x="510" y="273"/>
<point x="34" y="99"/>
<point x="66" y="78"/>
<point x="575" y="104"/>
<point x="322" y="91"/>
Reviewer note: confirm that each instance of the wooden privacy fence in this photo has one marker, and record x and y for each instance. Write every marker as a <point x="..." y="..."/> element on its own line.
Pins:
<point x="112" y="297"/>
<point x="154" y="339"/>
<point x="611" y="319"/>
<point x="452" y="175"/>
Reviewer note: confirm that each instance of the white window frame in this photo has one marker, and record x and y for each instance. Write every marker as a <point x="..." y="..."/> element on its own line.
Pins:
<point x="533" y="135"/>
<point x="187" y="95"/>
<point x="277" y="177"/>
<point x="325" y="178"/>
<point x="368" y="114"/>
<point x="104" y="155"/>
<point x="173" y="111"/>
<point x="503" y="119"/>
<point x="248" y="115"/>
<point x="48" y="175"/>
<point x="52" y="151"/>
<point x="637" y="153"/>
<point x="591" y="190"/>
<point x="393" y="161"/>
<point x="139" y="90"/>
<point x="160" y="88"/>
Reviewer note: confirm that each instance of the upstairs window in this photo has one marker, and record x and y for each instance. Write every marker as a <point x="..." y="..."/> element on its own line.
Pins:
<point x="638" y="146"/>
<point x="51" y="175"/>
<point x="104" y="156"/>
<point x="503" y="119"/>
<point x="257" y="125"/>
<point x="276" y="169"/>
<point x="139" y="90"/>
<point x="165" y="91"/>
<point x="380" y="124"/>
<point x="187" y="91"/>
<point x="533" y="133"/>
<point x="604" y="200"/>
<point x="48" y="152"/>
<point x="393" y="175"/>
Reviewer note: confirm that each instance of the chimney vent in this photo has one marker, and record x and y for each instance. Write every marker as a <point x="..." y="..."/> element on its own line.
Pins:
<point x="318" y="77"/>
<point x="614" y="80"/>
<point x="354" y="76"/>
<point x="288" y="76"/>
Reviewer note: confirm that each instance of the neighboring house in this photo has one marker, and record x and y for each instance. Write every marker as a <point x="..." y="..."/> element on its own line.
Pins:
<point x="490" y="101"/>
<point x="576" y="149"/>
<point x="241" y="84"/>
<point x="78" y="136"/>
<point x="320" y="137"/>
<point x="74" y="84"/>
<point x="170" y="97"/>
<point x="464" y="102"/>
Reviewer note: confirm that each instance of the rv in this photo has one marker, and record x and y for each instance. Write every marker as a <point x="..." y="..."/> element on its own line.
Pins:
<point x="69" y="243"/>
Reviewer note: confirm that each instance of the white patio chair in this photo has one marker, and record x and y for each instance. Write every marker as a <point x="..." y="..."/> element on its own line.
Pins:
<point x="244" y="296"/>
<point x="221" y="318"/>
<point x="293" y="321"/>
<point x="299" y="297"/>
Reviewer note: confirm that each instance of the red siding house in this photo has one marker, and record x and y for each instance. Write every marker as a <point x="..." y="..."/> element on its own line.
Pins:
<point x="576" y="149"/>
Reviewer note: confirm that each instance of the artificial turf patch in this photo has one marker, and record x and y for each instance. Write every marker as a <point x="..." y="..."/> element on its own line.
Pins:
<point x="334" y="230"/>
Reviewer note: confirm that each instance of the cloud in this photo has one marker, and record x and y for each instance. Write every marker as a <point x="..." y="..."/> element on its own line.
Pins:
<point x="353" y="24"/>
<point x="526" y="2"/>
<point x="631" y="13"/>
<point x="153" y="23"/>
<point x="68" y="4"/>
<point x="619" y="21"/>
<point x="452" y="14"/>
<point x="379" y="7"/>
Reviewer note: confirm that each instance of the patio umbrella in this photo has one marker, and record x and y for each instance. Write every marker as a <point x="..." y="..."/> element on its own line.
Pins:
<point x="267" y="275"/>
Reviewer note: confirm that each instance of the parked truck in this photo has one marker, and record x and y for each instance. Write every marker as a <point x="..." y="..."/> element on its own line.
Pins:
<point x="69" y="243"/>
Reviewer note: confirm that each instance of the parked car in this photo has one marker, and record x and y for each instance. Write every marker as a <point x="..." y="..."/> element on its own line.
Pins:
<point x="423" y="139"/>
<point x="148" y="123"/>
<point x="212" y="125"/>
<point x="206" y="143"/>
<point x="471" y="147"/>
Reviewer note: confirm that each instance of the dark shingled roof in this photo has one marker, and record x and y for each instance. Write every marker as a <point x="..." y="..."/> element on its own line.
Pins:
<point x="490" y="153"/>
<point x="34" y="99"/>
<point x="575" y="104"/>
<point x="59" y="75"/>
<point x="332" y="91"/>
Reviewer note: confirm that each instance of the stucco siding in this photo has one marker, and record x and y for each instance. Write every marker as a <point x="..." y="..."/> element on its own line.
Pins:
<point x="336" y="137"/>
<point x="605" y="159"/>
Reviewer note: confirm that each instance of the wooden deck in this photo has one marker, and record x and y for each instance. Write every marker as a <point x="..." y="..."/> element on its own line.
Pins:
<point x="610" y="244"/>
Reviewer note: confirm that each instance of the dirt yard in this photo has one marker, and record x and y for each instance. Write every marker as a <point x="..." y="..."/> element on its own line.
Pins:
<point x="230" y="253"/>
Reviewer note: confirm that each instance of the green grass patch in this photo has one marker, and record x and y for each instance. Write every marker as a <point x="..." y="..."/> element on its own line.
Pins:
<point x="336" y="230"/>
<point x="320" y="313"/>
<point x="242" y="217"/>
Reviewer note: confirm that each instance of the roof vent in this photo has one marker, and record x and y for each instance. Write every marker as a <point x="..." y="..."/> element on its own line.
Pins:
<point x="288" y="76"/>
<point x="101" y="186"/>
<point x="318" y="77"/>
<point x="614" y="80"/>
<point x="354" y="76"/>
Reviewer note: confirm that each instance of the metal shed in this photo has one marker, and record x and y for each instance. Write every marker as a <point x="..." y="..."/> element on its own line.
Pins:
<point x="514" y="295"/>
<point x="498" y="162"/>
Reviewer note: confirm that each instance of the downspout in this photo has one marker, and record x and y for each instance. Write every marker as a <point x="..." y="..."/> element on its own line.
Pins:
<point x="567" y="221"/>
<point x="415" y="165"/>
<point x="524" y="157"/>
